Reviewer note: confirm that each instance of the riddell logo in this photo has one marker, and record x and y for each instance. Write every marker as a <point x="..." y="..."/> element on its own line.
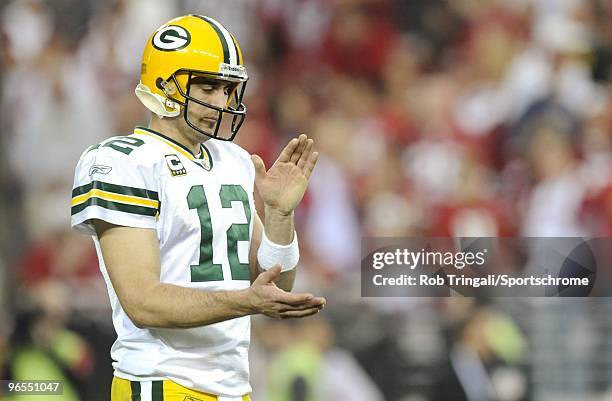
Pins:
<point x="235" y="70"/>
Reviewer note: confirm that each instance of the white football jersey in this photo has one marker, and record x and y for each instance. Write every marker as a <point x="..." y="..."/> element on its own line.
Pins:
<point x="201" y="209"/>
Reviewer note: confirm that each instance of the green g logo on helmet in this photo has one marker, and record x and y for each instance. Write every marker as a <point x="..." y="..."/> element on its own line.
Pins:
<point x="171" y="38"/>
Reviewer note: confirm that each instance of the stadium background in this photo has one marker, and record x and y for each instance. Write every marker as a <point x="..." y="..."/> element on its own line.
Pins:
<point x="438" y="117"/>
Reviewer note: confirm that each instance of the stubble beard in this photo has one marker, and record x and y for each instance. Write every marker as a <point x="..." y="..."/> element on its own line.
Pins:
<point x="191" y="134"/>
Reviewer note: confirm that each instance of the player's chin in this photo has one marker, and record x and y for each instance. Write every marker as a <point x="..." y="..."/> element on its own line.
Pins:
<point x="206" y="128"/>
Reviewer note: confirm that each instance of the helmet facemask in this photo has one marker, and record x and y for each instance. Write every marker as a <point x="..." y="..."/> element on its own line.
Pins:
<point x="234" y="106"/>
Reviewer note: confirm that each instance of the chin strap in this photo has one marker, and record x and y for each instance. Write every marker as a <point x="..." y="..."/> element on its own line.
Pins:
<point x="157" y="104"/>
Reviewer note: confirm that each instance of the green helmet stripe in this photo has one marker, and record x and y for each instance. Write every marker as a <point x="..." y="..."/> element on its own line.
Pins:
<point x="216" y="27"/>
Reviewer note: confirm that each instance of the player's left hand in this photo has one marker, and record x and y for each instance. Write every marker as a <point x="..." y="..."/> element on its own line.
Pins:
<point x="283" y="185"/>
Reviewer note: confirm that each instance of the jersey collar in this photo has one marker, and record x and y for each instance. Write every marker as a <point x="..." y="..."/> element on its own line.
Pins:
<point x="204" y="160"/>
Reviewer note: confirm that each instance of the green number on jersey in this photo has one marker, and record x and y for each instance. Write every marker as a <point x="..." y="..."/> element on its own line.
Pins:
<point x="206" y="270"/>
<point x="124" y="144"/>
<point x="236" y="232"/>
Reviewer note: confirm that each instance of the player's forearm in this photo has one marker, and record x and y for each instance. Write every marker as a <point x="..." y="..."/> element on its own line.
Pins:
<point x="279" y="227"/>
<point x="171" y="306"/>
<point x="286" y="280"/>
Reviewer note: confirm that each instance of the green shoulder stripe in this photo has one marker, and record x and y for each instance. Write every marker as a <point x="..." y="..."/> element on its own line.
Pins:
<point x="92" y="147"/>
<point x="118" y="189"/>
<point x="117" y="206"/>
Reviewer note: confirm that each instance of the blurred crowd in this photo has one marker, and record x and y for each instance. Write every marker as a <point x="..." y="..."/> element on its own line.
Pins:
<point x="433" y="118"/>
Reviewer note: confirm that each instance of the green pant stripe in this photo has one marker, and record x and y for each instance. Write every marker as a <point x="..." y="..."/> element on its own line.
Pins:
<point x="135" y="387"/>
<point x="157" y="391"/>
<point x="117" y="206"/>
<point x="114" y="188"/>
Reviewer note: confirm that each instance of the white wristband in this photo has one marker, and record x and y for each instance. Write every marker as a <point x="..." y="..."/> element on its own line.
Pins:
<point x="270" y="254"/>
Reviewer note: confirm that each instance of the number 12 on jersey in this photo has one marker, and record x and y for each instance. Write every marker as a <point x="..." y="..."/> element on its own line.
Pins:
<point x="206" y="270"/>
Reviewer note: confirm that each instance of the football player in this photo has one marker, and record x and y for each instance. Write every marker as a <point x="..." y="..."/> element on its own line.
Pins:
<point x="185" y="257"/>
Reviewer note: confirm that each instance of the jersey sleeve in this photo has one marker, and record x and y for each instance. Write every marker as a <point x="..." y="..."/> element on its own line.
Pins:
<point x="114" y="187"/>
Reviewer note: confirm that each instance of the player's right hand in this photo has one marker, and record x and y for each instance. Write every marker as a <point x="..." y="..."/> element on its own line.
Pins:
<point x="266" y="298"/>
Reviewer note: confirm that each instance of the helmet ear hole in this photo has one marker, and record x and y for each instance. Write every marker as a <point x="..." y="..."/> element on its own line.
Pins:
<point x="167" y="87"/>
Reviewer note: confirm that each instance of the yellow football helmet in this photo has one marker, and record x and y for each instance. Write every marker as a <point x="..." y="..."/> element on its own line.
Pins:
<point x="183" y="48"/>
